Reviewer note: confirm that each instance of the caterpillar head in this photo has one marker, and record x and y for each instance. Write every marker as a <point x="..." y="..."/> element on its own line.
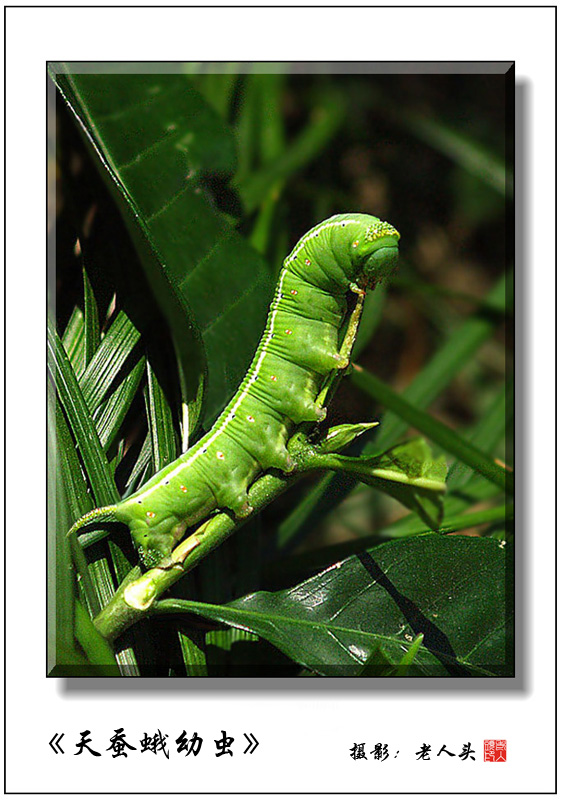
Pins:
<point x="376" y="252"/>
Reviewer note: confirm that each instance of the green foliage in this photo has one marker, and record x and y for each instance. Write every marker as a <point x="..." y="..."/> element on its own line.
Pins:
<point x="450" y="589"/>
<point x="179" y="195"/>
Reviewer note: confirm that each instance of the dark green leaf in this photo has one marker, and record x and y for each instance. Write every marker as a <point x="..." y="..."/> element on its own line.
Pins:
<point x="61" y="584"/>
<point x="155" y="138"/>
<point x="73" y="341"/>
<point x="455" y="590"/>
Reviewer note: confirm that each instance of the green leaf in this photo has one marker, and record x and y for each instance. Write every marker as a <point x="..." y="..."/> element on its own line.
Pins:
<point x="440" y="433"/>
<point x="160" y="423"/>
<point x="110" y="415"/>
<point x="447" y="362"/>
<point x="416" y="483"/>
<point x="155" y="139"/>
<point x="454" y="590"/>
<point x="378" y="666"/>
<point x="141" y="469"/>
<point x="476" y="492"/>
<point x="487" y="433"/>
<point x="70" y="502"/>
<point x="410" y="463"/>
<point x="60" y="585"/>
<point x="192" y="647"/>
<point x="91" y="321"/>
<point x="404" y="665"/>
<point x="103" y="369"/>
<point x="73" y="341"/>
<point x="407" y="472"/>
<point x="72" y="400"/>
<point x="260" y="123"/>
<point x="216" y="83"/>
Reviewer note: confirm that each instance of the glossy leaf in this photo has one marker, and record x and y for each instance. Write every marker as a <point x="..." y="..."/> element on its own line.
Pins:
<point x="451" y="589"/>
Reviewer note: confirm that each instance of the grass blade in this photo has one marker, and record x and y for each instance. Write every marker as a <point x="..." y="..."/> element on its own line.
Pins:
<point x="310" y="142"/>
<point x="115" y="349"/>
<point x="472" y="157"/>
<point x="109" y="416"/>
<point x="75" y="407"/>
<point x="487" y="434"/>
<point x="160" y="422"/>
<point x="73" y="340"/>
<point x="91" y="321"/>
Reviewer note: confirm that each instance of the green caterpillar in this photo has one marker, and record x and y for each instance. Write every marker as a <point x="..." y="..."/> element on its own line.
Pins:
<point x="298" y="349"/>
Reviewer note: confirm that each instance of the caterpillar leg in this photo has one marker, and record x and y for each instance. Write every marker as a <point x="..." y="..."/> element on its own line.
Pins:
<point x="343" y="357"/>
<point x="352" y="328"/>
<point x="235" y="498"/>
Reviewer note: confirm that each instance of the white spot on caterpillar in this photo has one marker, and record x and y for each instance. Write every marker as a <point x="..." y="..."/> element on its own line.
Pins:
<point x="355" y="243"/>
<point x="274" y="378"/>
<point x="307" y="262"/>
<point x="150" y="514"/>
<point x="288" y="332"/>
<point x="183" y="488"/>
<point x="293" y="291"/>
<point x="250" y="418"/>
<point x="220" y="455"/>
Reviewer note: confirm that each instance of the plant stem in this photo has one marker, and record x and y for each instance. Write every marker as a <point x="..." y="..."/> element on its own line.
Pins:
<point x="135" y="597"/>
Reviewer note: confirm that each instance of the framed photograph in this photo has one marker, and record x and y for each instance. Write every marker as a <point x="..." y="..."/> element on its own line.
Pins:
<point x="295" y="532"/>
